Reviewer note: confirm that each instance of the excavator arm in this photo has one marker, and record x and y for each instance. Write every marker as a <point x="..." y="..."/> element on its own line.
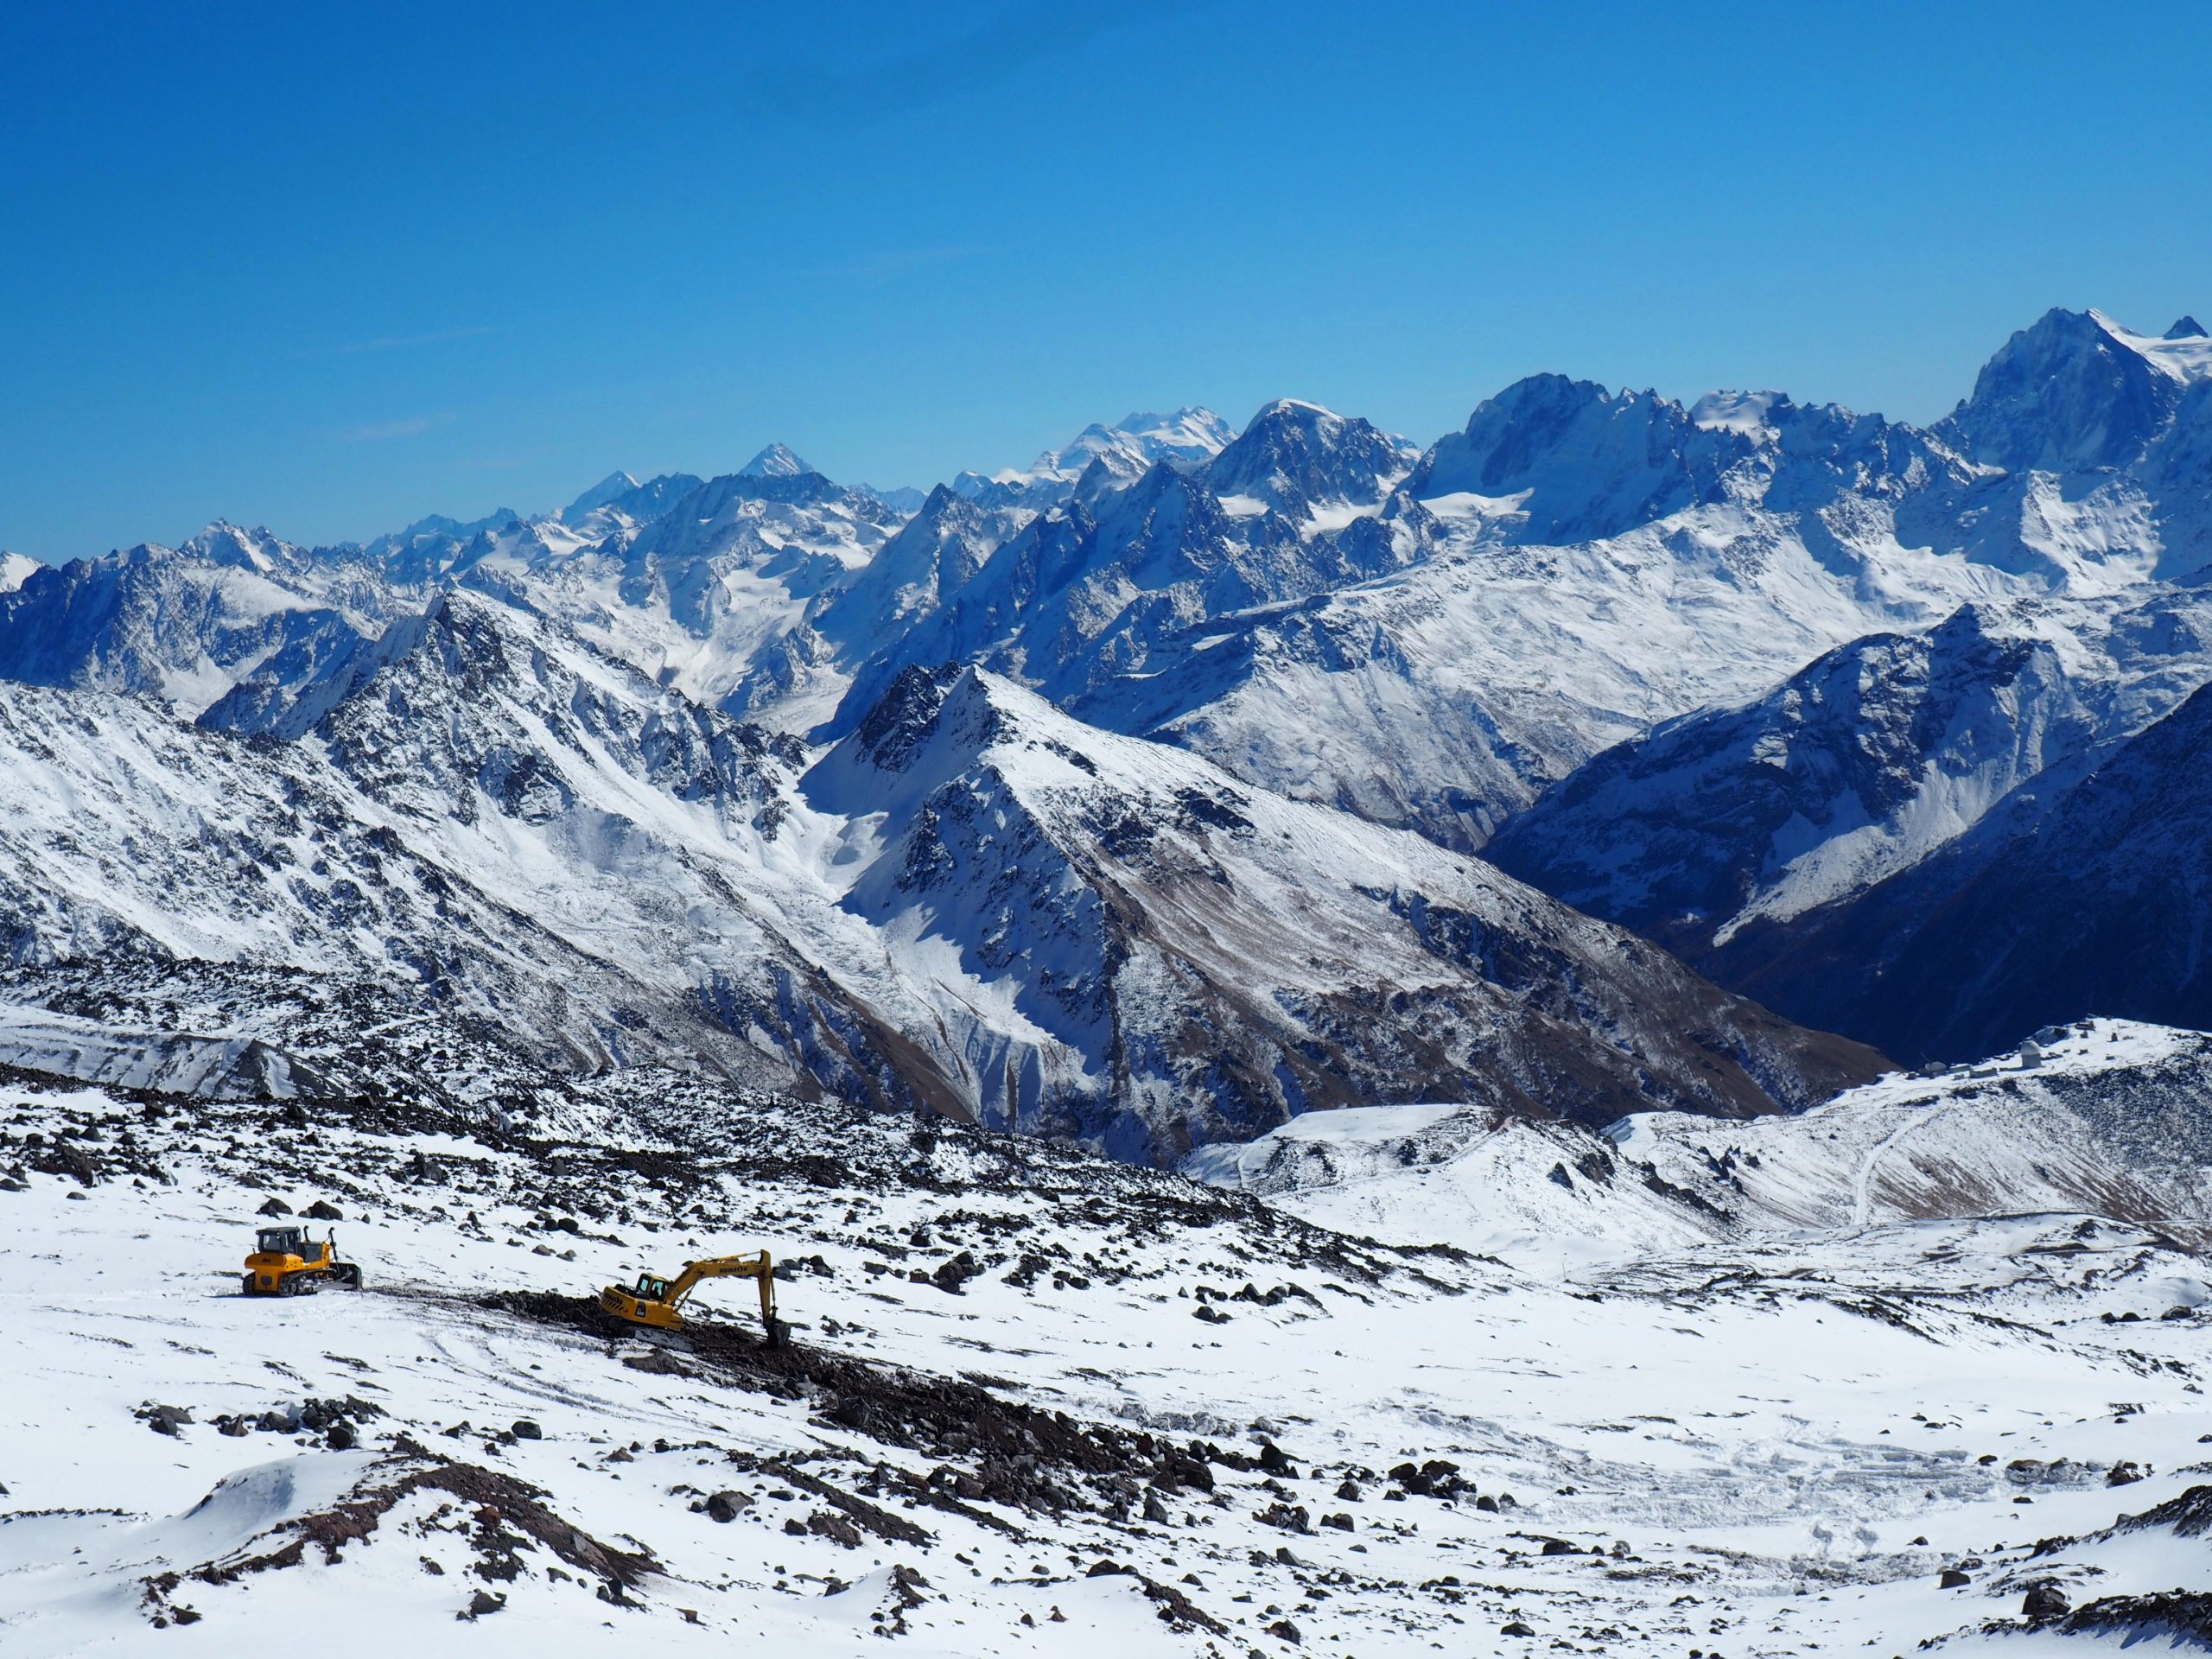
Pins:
<point x="756" y="1266"/>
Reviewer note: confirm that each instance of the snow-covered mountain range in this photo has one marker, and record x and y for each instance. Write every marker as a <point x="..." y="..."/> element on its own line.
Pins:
<point x="1769" y="682"/>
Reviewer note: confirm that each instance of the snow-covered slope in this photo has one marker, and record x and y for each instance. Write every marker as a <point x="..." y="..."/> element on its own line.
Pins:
<point x="2108" y="1118"/>
<point x="419" y="831"/>
<point x="1217" y="959"/>
<point x="1033" y="1396"/>
<point x="481" y="810"/>
<point x="725" y="571"/>
<point x="1448" y="693"/>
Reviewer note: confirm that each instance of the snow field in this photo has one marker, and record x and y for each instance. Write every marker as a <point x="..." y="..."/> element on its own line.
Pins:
<point x="1766" y="1425"/>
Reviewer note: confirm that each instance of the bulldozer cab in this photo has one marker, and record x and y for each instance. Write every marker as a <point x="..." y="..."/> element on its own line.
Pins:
<point x="281" y="1241"/>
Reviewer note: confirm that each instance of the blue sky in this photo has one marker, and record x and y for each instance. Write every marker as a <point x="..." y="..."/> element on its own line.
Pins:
<point x="328" y="271"/>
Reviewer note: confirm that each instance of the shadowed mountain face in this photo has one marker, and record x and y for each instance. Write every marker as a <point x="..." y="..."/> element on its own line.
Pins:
<point x="2102" y="906"/>
<point x="1872" y="758"/>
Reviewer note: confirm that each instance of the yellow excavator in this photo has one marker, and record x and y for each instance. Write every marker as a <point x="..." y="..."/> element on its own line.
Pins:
<point x="655" y="1301"/>
<point x="287" y="1262"/>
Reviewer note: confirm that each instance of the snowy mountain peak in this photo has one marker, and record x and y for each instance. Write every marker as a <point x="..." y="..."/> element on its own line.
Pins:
<point x="1296" y="456"/>
<point x="1746" y="412"/>
<point x="2074" y="393"/>
<point x="610" y="488"/>
<point x="777" y="461"/>
<point x="2186" y="327"/>
<point x="224" y="542"/>
<point x="1579" y="461"/>
<point x="1295" y="410"/>
<point x="1192" y="433"/>
<point x="1127" y="450"/>
<point x="900" y="497"/>
<point x="15" y="570"/>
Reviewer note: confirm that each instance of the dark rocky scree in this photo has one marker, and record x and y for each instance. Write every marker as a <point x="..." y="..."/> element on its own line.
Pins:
<point x="1017" y="1455"/>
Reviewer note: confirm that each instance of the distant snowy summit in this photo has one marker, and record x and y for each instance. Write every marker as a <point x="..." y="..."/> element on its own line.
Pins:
<point x="777" y="461"/>
<point x="1119" y="454"/>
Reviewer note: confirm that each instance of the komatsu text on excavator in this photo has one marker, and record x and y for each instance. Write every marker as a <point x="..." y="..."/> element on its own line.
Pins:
<point x="654" y="1301"/>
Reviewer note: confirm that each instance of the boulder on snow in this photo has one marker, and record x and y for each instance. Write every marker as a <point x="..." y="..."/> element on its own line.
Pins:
<point x="955" y="1273"/>
<point x="273" y="1207"/>
<point x="322" y="1209"/>
<point x="163" y="1419"/>
<point x="482" y="1602"/>
<point x="2044" y="1601"/>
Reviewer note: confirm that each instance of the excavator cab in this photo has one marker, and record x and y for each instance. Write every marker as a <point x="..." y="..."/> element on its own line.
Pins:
<point x="657" y="1302"/>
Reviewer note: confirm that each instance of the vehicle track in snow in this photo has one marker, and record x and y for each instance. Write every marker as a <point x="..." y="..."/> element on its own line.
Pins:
<point x="1862" y="1184"/>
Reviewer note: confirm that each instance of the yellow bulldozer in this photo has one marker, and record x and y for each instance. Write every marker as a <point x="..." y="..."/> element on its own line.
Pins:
<point x="657" y="1302"/>
<point x="287" y="1262"/>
